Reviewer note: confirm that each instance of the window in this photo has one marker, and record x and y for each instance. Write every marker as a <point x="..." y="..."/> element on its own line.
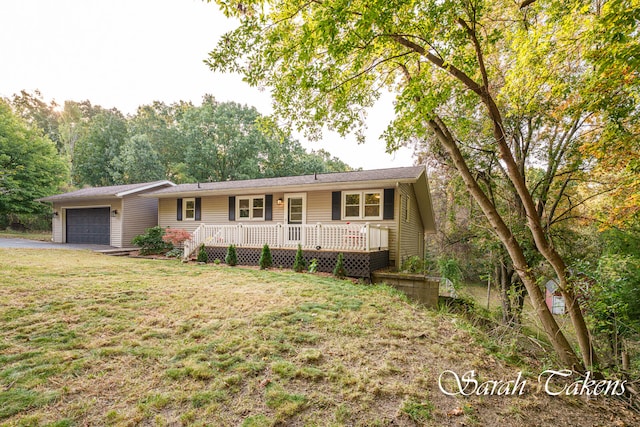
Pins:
<point x="258" y="208"/>
<point x="372" y="205"/>
<point x="352" y="205"/>
<point x="251" y="207"/>
<point x="295" y="210"/>
<point x="407" y="209"/>
<point x="189" y="209"/>
<point x="362" y="205"/>
<point x="243" y="208"/>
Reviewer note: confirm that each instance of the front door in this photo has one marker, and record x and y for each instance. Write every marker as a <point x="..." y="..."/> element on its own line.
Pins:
<point x="295" y="216"/>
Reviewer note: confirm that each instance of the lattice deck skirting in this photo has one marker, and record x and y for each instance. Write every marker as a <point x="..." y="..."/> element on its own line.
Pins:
<point x="357" y="264"/>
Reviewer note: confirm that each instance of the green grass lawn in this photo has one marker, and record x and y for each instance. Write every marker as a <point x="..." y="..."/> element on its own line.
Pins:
<point x="87" y="339"/>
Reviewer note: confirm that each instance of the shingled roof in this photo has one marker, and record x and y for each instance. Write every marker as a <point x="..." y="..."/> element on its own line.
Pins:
<point x="112" y="191"/>
<point x="402" y="174"/>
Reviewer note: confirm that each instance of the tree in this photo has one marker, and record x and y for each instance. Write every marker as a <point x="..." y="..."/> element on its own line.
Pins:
<point x="223" y="141"/>
<point x="140" y="161"/>
<point x="232" y="257"/>
<point x="226" y="141"/>
<point x="38" y="114"/>
<point x="158" y="123"/>
<point x="265" y="258"/>
<point x="97" y="155"/>
<point x="29" y="165"/>
<point x="202" y="254"/>
<point x="299" y="263"/>
<point x="454" y="65"/>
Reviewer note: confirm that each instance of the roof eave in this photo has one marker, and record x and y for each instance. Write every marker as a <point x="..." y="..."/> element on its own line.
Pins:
<point x="146" y="187"/>
<point x="70" y="199"/>
<point x="425" y="205"/>
<point x="278" y="188"/>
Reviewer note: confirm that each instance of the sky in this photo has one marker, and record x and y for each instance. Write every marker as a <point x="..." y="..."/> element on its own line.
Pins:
<point x="127" y="53"/>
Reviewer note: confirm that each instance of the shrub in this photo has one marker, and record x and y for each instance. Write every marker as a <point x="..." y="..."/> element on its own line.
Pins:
<point x="151" y="241"/>
<point x="450" y="269"/>
<point x="413" y="264"/>
<point x="231" y="258"/>
<point x="174" y="253"/>
<point x="265" y="257"/>
<point x="339" y="271"/>
<point x="299" y="263"/>
<point x="176" y="236"/>
<point x="313" y="267"/>
<point x="202" y="254"/>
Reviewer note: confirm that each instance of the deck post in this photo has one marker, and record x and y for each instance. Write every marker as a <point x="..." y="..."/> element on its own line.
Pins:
<point x="318" y="235"/>
<point x="279" y="234"/>
<point x="240" y="239"/>
<point x="367" y="237"/>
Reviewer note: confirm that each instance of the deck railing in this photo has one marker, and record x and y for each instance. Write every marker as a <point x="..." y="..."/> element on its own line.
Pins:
<point x="342" y="237"/>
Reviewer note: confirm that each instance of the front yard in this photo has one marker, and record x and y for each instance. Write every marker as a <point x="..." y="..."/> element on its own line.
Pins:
<point x="43" y="236"/>
<point x="88" y="339"/>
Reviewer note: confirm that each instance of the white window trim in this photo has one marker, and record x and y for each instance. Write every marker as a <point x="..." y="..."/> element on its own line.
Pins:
<point x="184" y="209"/>
<point x="361" y="209"/>
<point x="251" y="199"/>
<point x="288" y="196"/>
<point x="344" y="205"/>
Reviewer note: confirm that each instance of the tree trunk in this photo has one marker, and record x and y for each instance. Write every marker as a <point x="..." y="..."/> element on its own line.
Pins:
<point x="555" y="335"/>
<point x="502" y="281"/>
<point x="517" y="179"/>
<point x="543" y="245"/>
<point x="519" y="291"/>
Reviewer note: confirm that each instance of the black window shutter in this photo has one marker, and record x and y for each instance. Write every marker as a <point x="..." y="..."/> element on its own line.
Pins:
<point x="232" y="208"/>
<point x="389" y="196"/>
<point x="198" y="208"/>
<point x="179" y="210"/>
<point x="336" y="199"/>
<point x="268" y="207"/>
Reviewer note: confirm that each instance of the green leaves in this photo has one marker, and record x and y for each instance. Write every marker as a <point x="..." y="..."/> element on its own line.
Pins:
<point x="29" y="166"/>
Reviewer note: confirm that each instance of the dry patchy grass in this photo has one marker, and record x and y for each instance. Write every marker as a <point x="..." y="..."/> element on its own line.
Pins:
<point x="87" y="339"/>
<point x="44" y="236"/>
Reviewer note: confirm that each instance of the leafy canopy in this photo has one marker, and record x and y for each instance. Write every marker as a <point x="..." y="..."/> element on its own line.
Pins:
<point x="29" y="165"/>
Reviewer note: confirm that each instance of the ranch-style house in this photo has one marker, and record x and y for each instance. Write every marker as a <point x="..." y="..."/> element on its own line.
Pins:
<point x="376" y="218"/>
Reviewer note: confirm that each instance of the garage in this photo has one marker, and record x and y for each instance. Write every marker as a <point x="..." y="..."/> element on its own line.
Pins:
<point x="111" y="215"/>
<point x="88" y="225"/>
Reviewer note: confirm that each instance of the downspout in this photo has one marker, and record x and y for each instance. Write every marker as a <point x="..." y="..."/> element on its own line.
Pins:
<point x="398" y="210"/>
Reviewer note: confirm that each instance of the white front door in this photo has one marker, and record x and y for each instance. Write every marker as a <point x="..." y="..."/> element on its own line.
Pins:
<point x="295" y="216"/>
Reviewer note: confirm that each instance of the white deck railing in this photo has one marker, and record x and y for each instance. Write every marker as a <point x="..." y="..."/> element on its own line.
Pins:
<point x="343" y="237"/>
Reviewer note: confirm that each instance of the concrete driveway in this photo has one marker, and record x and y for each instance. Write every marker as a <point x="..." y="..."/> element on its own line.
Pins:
<point x="16" y="243"/>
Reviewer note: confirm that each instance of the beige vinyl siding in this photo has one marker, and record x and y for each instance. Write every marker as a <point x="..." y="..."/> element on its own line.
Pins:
<point x="319" y="210"/>
<point x="214" y="210"/>
<point x="58" y="224"/>
<point x="138" y="214"/>
<point x="411" y="232"/>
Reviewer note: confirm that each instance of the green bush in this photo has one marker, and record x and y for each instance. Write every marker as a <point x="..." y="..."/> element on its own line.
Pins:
<point x="151" y="241"/>
<point x="265" y="257"/>
<point x="175" y="253"/>
<point x="339" y="271"/>
<point x="313" y="267"/>
<point x="202" y="254"/>
<point x="450" y="269"/>
<point x="299" y="264"/>
<point x="413" y="264"/>
<point x="231" y="258"/>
